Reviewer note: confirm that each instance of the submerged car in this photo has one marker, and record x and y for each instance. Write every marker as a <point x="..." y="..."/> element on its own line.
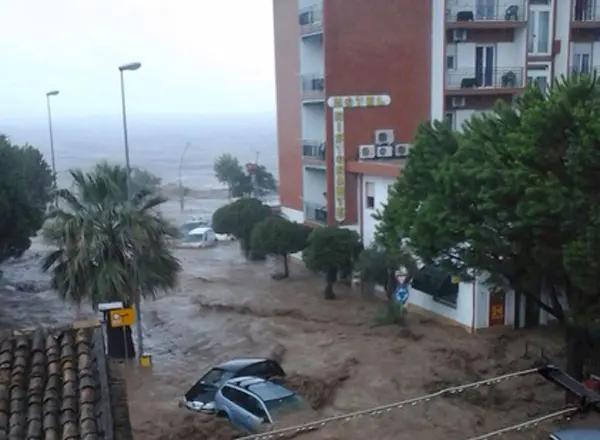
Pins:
<point x="253" y="404"/>
<point x="202" y="237"/>
<point x="576" y="434"/>
<point x="200" y="397"/>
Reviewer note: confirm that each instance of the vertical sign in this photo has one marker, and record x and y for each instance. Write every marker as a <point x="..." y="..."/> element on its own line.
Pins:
<point x="339" y="168"/>
<point x="338" y="104"/>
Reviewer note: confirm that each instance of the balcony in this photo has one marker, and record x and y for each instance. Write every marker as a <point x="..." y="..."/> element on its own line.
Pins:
<point x="485" y="14"/>
<point x="483" y="81"/>
<point x="315" y="212"/>
<point x="313" y="151"/>
<point x="311" y="20"/>
<point x="586" y="14"/>
<point x="590" y="70"/>
<point x="313" y="88"/>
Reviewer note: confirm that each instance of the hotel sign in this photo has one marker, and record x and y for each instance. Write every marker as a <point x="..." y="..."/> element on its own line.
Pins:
<point x="338" y="104"/>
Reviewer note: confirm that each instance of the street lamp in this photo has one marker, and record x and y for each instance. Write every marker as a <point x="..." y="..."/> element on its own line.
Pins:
<point x="137" y="297"/>
<point x="181" y="188"/>
<point x="48" y="95"/>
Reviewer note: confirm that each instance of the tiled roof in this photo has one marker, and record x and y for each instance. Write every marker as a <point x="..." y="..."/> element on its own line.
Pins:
<point x="54" y="386"/>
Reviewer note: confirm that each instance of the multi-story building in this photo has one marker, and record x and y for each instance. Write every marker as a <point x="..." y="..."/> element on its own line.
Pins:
<point x="423" y="60"/>
<point x="355" y="78"/>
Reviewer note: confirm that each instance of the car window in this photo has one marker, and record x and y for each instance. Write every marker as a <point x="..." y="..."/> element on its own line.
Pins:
<point x="279" y="408"/>
<point x="217" y="377"/>
<point x="260" y="369"/>
<point x="244" y="400"/>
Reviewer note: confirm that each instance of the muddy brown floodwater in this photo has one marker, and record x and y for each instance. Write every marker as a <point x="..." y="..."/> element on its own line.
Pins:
<point x="226" y="306"/>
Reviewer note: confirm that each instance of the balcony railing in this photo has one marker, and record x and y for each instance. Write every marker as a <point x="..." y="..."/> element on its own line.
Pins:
<point x="591" y="70"/>
<point x="476" y="78"/>
<point x="315" y="212"/>
<point x="313" y="87"/>
<point x="311" y="19"/>
<point x="485" y="10"/>
<point x="586" y="10"/>
<point x="313" y="149"/>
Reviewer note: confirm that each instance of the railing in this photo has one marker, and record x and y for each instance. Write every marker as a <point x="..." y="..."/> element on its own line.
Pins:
<point x="474" y="78"/>
<point x="591" y="70"/>
<point x="315" y="212"/>
<point x="311" y="19"/>
<point x="485" y="10"/>
<point x="586" y="10"/>
<point x="313" y="87"/>
<point x="313" y="149"/>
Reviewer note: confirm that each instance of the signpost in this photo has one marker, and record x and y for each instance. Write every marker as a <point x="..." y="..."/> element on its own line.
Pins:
<point x="123" y="317"/>
<point x="338" y="104"/>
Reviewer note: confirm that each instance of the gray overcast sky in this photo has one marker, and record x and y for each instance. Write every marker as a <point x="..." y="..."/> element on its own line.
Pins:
<point x="198" y="56"/>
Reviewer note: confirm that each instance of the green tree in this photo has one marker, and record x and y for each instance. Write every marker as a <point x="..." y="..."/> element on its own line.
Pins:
<point x="25" y="190"/>
<point x="265" y="181"/>
<point x="144" y="179"/>
<point x="331" y="251"/>
<point x="516" y="196"/>
<point x="108" y="248"/>
<point x="239" y="218"/>
<point x="278" y="236"/>
<point x="229" y="171"/>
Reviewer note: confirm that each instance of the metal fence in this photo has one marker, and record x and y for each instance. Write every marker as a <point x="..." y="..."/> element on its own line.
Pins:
<point x="313" y="149"/>
<point x="311" y="19"/>
<point x="315" y="212"/>
<point x="490" y="10"/>
<point x="472" y="77"/>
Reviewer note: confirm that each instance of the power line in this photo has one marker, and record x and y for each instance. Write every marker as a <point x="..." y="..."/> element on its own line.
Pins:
<point x="529" y="424"/>
<point x="316" y="424"/>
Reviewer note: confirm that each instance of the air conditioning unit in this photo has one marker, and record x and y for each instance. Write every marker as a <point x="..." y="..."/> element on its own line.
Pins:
<point x="458" y="101"/>
<point x="366" y="152"/>
<point x="385" y="151"/>
<point x="384" y="137"/>
<point x="459" y="35"/>
<point x="401" y="150"/>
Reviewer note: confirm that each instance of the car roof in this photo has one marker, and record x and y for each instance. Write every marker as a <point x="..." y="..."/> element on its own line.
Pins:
<point x="198" y="231"/>
<point x="577" y="434"/>
<point x="267" y="390"/>
<point x="237" y="364"/>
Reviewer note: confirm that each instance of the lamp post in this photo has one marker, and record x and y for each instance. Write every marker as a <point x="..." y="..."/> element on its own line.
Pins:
<point x="53" y="158"/>
<point x="137" y="297"/>
<point x="181" y="188"/>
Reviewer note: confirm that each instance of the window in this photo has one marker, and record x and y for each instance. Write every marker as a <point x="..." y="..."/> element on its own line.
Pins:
<point x="449" y="118"/>
<point x="370" y="195"/>
<point x="244" y="400"/>
<point x="451" y="50"/>
<point x="539" y="31"/>
<point x="437" y="282"/>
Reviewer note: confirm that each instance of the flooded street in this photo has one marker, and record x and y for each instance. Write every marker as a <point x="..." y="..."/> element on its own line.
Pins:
<point x="226" y="306"/>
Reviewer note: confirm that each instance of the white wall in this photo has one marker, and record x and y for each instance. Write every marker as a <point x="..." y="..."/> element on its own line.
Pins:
<point x="314" y="185"/>
<point x="313" y="122"/>
<point x="462" y="314"/>
<point x="381" y="186"/>
<point x="563" y="28"/>
<point x="438" y="63"/>
<point x="303" y="4"/>
<point x="311" y="56"/>
<point x="292" y="214"/>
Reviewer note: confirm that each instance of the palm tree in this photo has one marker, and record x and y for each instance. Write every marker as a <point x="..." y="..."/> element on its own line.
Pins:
<point x="109" y="248"/>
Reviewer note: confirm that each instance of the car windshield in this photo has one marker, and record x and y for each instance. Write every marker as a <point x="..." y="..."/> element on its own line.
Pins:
<point x="278" y="400"/>
<point x="217" y="377"/>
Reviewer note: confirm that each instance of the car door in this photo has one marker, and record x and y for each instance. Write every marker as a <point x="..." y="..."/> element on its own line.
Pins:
<point x="239" y="414"/>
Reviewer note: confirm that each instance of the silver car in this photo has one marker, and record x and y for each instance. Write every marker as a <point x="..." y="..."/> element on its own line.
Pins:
<point x="252" y="404"/>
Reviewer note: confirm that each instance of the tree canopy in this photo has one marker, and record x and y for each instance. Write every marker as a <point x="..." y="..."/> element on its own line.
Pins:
<point x="239" y="218"/>
<point x="109" y="248"/>
<point x="144" y="179"/>
<point x="239" y="180"/>
<point x="276" y="235"/>
<point x="331" y="250"/>
<point x="515" y="196"/>
<point x="25" y="190"/>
